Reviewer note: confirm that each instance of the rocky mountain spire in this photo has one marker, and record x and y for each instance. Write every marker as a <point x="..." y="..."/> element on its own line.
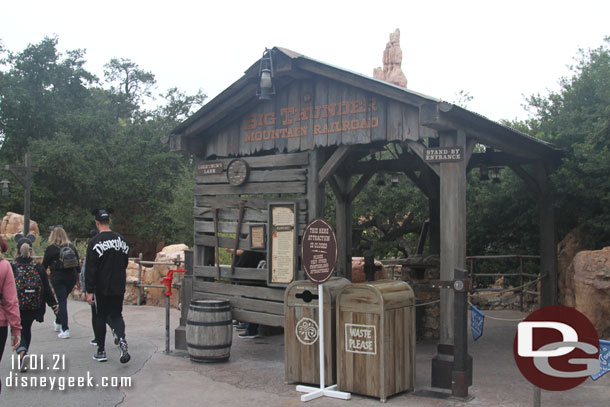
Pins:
<point x="392" y="61"/>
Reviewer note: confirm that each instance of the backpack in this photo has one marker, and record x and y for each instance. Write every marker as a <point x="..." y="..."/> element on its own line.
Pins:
<point x="29" y="286"/>
<point x="67" y="258"/>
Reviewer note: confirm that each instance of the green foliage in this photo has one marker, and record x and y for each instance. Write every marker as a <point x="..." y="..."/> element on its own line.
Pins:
<point x="95" y="145"/>
<point x="577" y="119"/>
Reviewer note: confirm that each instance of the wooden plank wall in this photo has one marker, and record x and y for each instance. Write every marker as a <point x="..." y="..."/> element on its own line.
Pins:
<point x="272" y="178"/>
<point x="316" y="112"/>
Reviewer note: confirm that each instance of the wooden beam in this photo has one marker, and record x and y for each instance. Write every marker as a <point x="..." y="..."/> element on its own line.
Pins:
<point x="497" y="159"/>
<point x="445" y="116"/>
<point x="419" y="148"/>
<point x="344" y="228"/>
<point x="335" y="187"/>
<point x="364" y="179"/>
<point x="238" y="273"/>
<point x="527" y="178"/>
<point x="333" y="163"/>
<point x="548" y="239"/>
<point x="453" y="227"/>
<point x="470" y="145"/>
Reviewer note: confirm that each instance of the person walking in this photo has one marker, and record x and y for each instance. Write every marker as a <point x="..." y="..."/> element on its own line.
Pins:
<point x="33" y="291"/>
<point x="9" y="305"/>
<point x="61" y="257"/>
<point x="105" y="277"/>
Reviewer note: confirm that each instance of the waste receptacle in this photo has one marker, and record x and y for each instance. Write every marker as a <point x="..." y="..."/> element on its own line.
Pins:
<point x="376" y="338"/>
<point x="301" y="347"/>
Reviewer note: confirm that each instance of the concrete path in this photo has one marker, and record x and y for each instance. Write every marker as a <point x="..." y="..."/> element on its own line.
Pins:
<point x="254" y="376"/>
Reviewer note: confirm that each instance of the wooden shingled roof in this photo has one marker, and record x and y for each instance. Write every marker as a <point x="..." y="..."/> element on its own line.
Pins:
<point x="240" y="99"/>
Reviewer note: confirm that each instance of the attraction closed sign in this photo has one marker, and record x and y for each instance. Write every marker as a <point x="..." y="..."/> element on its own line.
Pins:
<point x="319" y="251"/>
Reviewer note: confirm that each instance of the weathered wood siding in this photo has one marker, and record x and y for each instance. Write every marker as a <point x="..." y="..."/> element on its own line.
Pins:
<point x="311" y="113"/>
<point x="272" y="179"/>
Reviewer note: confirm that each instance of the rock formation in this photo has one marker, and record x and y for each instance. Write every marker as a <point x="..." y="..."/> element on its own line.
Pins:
<point x="392" y="61"/>
<point x="591" y="270"/>
<point x="358" y="275"/>
<point x="12" y="223"/>
<point x="153" y="275"/>
<point x="566" y="250"/>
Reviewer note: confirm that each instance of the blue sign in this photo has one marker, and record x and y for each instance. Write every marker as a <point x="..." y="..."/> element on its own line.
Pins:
<point x="476" y="323"/>
<point x="604" y="359"/>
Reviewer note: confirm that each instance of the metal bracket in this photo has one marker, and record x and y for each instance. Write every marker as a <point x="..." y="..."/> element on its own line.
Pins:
<point x="457" y="285"/>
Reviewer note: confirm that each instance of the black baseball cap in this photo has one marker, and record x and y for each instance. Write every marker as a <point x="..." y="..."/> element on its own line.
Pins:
<point x="102" y="215"/>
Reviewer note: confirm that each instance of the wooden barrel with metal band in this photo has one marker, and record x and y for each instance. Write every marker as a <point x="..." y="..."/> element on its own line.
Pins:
<point x="209" y="331"/>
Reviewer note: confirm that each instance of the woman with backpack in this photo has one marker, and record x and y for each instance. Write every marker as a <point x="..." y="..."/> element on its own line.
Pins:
<point x="33" y="291"/>
<point x="9" y="305"/>
<point x="62" y="258"/>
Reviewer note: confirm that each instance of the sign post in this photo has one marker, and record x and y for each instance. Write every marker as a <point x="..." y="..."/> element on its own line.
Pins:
<point x="319" y="258"/>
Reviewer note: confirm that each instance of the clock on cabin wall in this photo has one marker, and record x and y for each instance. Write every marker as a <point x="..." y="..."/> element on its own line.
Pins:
<point x="237" y="172"/>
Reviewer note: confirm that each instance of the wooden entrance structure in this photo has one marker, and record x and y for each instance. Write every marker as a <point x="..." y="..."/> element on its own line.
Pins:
<point x="318" y="127"/>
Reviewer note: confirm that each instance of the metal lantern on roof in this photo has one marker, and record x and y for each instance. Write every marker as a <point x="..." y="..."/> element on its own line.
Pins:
<point x="495" y="175"/>
<point x="394" y="180"/>
<point x="5" y="183"/>
<point x="266" y="87"/>
<point x="484" y="172"/>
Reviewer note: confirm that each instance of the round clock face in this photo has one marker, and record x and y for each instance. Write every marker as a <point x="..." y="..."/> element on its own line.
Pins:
<point x="237" y="172"/>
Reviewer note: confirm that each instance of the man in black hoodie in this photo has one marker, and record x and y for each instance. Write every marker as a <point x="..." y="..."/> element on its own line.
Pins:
<point x="105" y="265"/>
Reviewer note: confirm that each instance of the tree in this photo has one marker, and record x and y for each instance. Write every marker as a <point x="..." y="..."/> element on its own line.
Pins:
<point x="129" y="85"/>
<point x="40" y="93"/>
<point x="577" y="119"/>
<point x="95" y="146"/>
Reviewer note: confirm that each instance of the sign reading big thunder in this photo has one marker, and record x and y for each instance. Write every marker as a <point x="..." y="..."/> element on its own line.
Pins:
<point x="342" y="117"/>
<point x="311" y="113"/>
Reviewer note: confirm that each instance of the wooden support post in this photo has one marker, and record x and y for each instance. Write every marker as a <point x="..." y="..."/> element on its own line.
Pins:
<point x="316" y="195"/>
<point x="186" y="292"/>
<point x="453" y="250"/>
<point x="315" y="190"/>
<point x="140" y="257"/>
<point x="548" y="243"/>
<point x="344" y="226"/>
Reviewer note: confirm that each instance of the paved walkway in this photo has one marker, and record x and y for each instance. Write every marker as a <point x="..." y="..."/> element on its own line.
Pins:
<point x="254" y="376"/>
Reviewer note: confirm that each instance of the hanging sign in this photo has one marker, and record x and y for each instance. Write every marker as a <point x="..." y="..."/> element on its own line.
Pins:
<point x="443" y="154"/>
<point x="319" y="251"/>
<point x="476" y="323"/>
<point x="283" y="245"/>
<point x="210" y="168"/>
<point x="604" y="359"/>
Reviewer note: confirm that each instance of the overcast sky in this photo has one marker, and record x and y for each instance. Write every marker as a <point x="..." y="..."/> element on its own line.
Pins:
<point x="498" y="51"/>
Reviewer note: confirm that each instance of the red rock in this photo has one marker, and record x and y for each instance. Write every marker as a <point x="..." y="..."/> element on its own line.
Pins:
<point x="392" y="61"/>
<point x="12" y="223"/>
<point x="358" y="275"/>
<point x="592" y="288"/>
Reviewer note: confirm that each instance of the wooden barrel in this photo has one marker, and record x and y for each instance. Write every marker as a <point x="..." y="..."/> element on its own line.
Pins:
<point x="209" y="331"/>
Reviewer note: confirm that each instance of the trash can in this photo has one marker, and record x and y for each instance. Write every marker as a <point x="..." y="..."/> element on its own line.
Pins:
<point x="376" y="338"/>
<point x="301" y="347"/>
<point x="209" y="331"/>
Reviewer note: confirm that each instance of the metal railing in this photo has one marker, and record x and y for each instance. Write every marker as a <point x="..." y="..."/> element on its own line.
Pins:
<point x="521" y="274"/>
<point x="138" y="260"/>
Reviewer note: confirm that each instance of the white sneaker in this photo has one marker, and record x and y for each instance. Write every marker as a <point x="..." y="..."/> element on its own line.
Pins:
<point x="56" y="327"/>
<point x="64" y="334"/>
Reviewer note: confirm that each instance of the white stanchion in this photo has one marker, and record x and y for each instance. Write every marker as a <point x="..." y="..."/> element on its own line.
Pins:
<point x="330" y="391"/>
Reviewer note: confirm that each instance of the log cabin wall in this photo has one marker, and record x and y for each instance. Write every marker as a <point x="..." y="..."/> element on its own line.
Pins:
<point x="273" y="179"/>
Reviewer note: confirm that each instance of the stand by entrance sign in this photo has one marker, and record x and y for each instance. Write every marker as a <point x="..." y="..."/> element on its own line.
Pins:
<point x="319" y="258"/>
<point x="443" y="154"/>
<point x="319" y="251"/>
